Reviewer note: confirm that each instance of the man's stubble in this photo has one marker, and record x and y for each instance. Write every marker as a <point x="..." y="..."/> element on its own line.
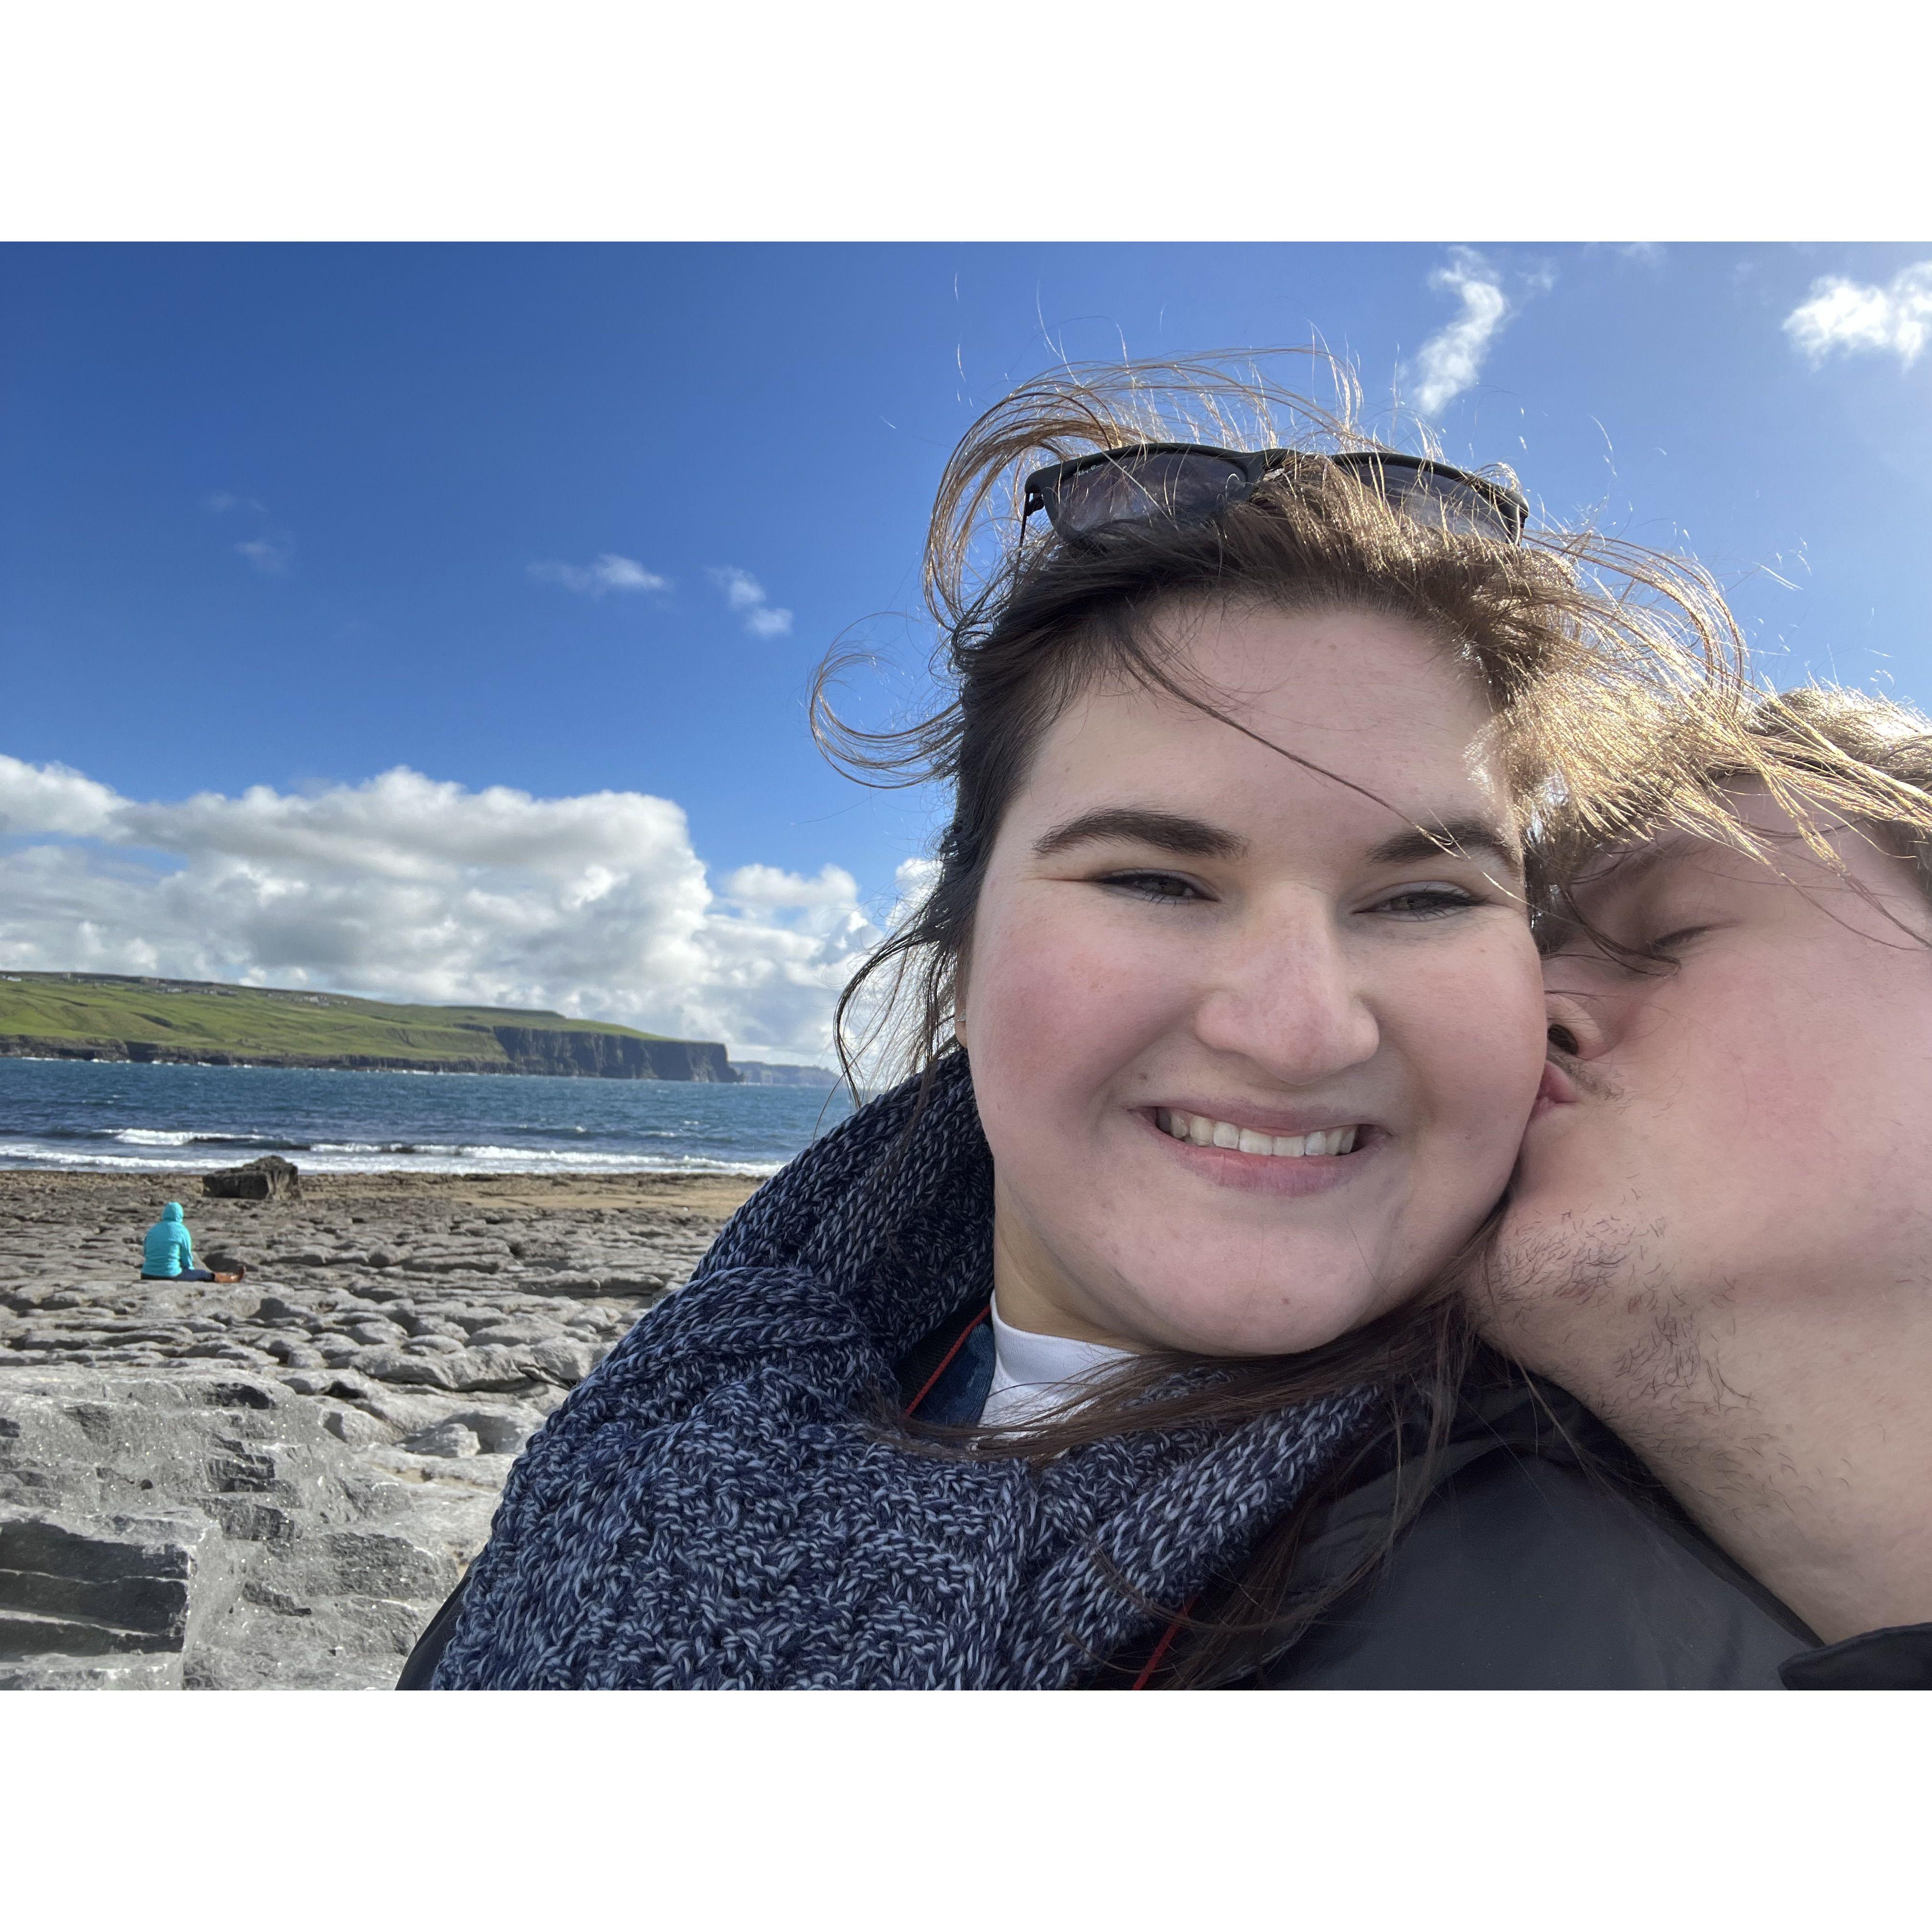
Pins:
<point x="1589" y="1299"/>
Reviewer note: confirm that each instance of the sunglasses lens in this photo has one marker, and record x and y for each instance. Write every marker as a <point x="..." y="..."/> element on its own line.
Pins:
<point x="1445" y="503"/>
<point x="1181" y="486"/>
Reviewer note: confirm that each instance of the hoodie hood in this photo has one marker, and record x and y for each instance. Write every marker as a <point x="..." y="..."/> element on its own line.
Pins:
<point x="171" y="1212"/>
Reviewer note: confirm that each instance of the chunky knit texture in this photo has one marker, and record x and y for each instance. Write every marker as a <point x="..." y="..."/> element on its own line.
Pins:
<point x="717" y="1506"/>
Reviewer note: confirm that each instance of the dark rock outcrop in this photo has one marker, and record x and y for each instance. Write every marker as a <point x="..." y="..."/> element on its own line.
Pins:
<point x="116" y="1586"/>
<point x="271" y="1178"/>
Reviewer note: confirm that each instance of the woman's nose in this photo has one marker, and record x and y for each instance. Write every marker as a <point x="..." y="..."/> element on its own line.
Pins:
<point x="1289" y="1001"/>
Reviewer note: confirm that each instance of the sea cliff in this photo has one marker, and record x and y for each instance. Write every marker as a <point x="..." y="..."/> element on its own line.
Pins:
<point x="203" y="1023"/>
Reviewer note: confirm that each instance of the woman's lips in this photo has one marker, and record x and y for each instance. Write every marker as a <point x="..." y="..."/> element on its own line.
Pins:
<point x="1269" y="1173"/>
<point x="1277" y="1138"/>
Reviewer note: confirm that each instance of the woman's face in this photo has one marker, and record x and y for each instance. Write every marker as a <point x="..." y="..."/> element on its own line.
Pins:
<point x="1199" y="969"/>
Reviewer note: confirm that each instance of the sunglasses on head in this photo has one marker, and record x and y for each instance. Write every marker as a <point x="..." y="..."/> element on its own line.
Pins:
<point x="1188" y="483"/>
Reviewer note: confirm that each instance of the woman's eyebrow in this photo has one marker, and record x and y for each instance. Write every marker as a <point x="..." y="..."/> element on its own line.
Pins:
<point x="1465" y="837"/>
<point x="1142" y="825"/>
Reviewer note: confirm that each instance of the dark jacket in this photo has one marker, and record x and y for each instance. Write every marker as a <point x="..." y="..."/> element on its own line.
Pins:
<point x="1547" y="1558"/>
<point x="1898" y="1659"/>
<point x="1541" y="1558"/>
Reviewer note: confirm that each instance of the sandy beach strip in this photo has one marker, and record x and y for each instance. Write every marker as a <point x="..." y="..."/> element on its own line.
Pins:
<point x="89" y="1195"/>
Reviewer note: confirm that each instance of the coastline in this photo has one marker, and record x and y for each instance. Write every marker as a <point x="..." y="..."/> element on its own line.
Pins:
<point x="123" y="1018"/>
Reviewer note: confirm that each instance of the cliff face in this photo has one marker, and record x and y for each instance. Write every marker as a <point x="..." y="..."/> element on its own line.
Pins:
<point x="530" y="1050"/>
<point x="763" y="1073"/>
<point x="608" y="1056"/>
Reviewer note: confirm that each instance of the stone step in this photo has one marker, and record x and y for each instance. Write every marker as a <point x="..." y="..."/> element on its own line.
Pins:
<point x="23" y="1634"/>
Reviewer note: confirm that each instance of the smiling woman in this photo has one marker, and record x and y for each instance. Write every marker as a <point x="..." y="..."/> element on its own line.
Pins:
<point x="1226" y="1020"/>
<point x="1176" y="920"/>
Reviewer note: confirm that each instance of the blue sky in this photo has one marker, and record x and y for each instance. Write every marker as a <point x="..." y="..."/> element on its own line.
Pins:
<point x="292" y="517"/>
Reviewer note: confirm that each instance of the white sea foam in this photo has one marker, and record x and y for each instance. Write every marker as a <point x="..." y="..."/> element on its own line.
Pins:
<point x="358" y="1158"/>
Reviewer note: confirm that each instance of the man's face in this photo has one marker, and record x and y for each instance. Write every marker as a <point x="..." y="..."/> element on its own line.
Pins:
<point x="1732" y="1130"/>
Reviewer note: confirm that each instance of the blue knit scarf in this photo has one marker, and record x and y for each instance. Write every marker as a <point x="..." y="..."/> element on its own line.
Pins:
<point x="716" y="1505"/>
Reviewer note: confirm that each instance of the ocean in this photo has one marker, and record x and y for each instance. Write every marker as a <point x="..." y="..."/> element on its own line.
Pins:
<point x="111" y="1118"/>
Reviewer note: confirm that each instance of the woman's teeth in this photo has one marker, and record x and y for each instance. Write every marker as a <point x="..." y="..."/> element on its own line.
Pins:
<point x="1205" y="1132"/>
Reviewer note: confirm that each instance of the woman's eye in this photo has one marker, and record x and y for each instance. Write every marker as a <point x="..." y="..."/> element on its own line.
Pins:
<point x="1678" y="936"/>
<point x="1427" y="901"/>
<point x="1160" y="886"/>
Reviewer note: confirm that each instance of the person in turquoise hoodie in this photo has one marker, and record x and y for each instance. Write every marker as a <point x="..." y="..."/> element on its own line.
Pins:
<point x="167" y="1254"/>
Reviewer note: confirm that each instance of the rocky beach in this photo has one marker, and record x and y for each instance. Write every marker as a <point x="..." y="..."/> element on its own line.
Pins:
<point x="272" y="1483"/>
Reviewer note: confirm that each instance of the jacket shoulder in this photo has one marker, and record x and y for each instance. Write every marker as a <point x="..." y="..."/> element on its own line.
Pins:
<point x="1526" y="1571"/>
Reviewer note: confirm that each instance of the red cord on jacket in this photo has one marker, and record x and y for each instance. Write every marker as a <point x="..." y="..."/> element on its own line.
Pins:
<point x="946" y="1361"/>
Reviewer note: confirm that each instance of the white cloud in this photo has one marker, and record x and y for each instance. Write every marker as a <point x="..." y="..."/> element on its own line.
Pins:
<point x="746" y="595"/>
<point x="1450" y="362"/>
<point x="53" y="798"/>
<point x="270" y="555"/>
<point x="1861" y="315"/>
<point x="913" y="881"/>
<point x="884" y="1030"/>
<point x="271" y="551"/>
<point x="606" y="573"/>
<point x="408" y="888"/>
<point x="767" y="886"/>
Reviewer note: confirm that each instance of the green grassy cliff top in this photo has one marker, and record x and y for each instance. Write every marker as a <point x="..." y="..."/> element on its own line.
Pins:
<point x="193" y="1014"/>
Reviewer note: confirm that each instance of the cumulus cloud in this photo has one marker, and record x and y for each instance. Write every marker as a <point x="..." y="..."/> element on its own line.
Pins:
<point x="746" y="595"/>
<point x="766" y="886"/>
<point x="55" y="799"/>
<point x="1450" y="361"/>
<point x="601" y="575"/>
<point x="407" y="888"/>
<point x="1861" y="317"/>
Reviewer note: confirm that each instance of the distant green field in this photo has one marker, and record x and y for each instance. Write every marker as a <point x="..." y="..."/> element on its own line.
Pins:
<point x="192" y="1016"/>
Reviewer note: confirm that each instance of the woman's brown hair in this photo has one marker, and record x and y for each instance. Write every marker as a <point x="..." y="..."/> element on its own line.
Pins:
<point x="1581" y="644"/>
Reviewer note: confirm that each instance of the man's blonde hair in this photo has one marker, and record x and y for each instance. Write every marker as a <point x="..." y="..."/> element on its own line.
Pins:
<point x="1866" y="758"/>
<point x="1826" y="756"/>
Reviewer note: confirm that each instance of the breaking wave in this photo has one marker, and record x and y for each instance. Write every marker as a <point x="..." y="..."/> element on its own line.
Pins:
<point x="114" y="1118"/>
<point x="374" y="1157"/>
